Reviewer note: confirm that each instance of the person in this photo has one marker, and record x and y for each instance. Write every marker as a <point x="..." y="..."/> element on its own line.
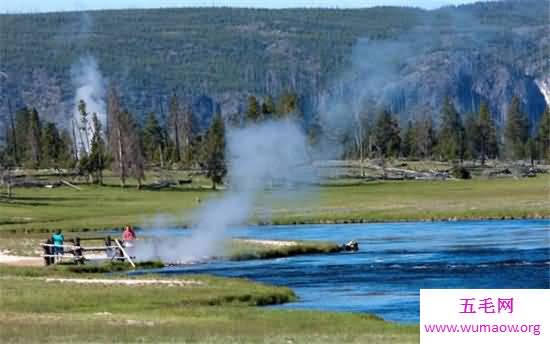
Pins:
<point x="128" y="236"/>
<point x="58" y="240"/>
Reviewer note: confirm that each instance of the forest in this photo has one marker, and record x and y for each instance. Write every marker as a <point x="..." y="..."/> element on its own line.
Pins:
<point x="129" y="148"/>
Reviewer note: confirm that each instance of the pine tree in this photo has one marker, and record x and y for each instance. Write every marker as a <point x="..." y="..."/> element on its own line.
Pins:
<point x="253" y="112"/>
<point x="543" y="135"/>
<point x="33" y="137"/>
<point x="472" y="135"/>
<point x="516" y="131"/>
<point x="288" y="106"/>
<point x="268" y="107"/>
<point x="532" y="150"/>
<point x="409" y="147"/>
<point x="153" y="140"/>
<point x="451" y="143"/>
<point x="52" y="147"/>
<point x="96" y="159"/>
<point x="11" y="138"/>
<point x="214" y="151"/>
<point x="386" y="135"/>
<point x="488" y="145"/>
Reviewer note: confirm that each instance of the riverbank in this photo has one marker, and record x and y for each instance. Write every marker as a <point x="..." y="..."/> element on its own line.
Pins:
<point x="22" y="250"/>
<point x="190" y="308"/>
<point x="36" y="210"/>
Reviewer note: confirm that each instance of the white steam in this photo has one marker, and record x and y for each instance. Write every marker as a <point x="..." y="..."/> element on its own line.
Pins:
<point x="271" y="154"/>
<point x="90" y="87"/>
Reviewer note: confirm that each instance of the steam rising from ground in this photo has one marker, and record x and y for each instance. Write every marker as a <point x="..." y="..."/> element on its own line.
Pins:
<point x="90" y="87"/>
<point x="274" y="153"/>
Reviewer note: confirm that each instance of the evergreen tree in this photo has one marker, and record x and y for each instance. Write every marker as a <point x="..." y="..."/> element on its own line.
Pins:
<point x="451" y="143"/>
<point x="516" y="131"/>
<point x="53" y="147"/>
<point x="268" y="107"/>
<point x="532" y="150"/>
<point x="289" y="106"/>
<point x="472" y="135"/>
<point x="175" y="118"/>
<point x="66" y="155"/>
<point x="488" y="144"/>
<point x="11" y="138"/>
<point x="543" y="135"/>
<point x="153" y="140"/>
<point x="7" y="164"/>
<point x="409" y="143"/>
<point x="18" y="139"/>
<point x="33" y="137"/>
<point x="214" y="151"/>
<point x="386" y="135"/>
<point x="253" y="112"/>
<point x="96" y="159"/>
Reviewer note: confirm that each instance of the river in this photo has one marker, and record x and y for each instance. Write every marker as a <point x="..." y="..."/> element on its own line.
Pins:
<point x="395" y="261"/>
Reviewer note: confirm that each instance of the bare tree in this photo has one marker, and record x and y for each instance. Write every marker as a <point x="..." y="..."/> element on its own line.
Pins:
<point x="124" y="140"/>
<point x="175" y="118"/>
<point x="115" y="123"/>
<point x="187" y="134"/>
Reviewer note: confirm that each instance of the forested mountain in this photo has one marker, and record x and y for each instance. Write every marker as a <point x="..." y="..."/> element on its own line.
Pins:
<point x="406" y="59"/>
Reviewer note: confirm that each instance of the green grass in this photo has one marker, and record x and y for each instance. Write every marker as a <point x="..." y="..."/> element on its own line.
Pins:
<point x="95" y="208"/>
<point x="219" y="310"/>
<point x="239" y="250"/>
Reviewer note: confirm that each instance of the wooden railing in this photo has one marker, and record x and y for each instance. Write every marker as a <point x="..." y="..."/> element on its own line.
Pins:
<point x="76" y="252"/>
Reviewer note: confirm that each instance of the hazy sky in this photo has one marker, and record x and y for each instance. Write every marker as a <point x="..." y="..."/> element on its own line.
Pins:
<point x="64" y="5"/>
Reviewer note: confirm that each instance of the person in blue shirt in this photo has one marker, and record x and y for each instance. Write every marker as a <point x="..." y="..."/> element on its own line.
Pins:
<point x="58" y="239"/>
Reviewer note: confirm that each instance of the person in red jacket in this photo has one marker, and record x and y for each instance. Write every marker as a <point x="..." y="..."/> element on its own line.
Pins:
<point x="128" y="236"/>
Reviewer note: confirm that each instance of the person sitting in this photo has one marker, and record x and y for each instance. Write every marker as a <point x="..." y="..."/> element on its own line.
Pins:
<point x="128" y="236"/>
<point x="58" y="240"/>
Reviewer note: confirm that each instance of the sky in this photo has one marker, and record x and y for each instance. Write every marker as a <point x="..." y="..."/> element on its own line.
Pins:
<point x="23" y="6"/>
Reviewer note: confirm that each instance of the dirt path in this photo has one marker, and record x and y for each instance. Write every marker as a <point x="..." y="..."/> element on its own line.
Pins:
<point x="8" y="259"/>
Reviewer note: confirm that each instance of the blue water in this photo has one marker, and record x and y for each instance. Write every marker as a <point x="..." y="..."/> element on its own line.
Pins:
<point x="395" y="261"/>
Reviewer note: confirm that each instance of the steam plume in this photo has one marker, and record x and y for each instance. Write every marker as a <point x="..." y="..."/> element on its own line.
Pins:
<point x="271" y="153"/>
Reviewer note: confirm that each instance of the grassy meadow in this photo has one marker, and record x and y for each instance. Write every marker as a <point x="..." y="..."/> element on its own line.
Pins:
<point x="105" y="207"/>
<point x="208" y="310"/>
<point x="217" y="310"/>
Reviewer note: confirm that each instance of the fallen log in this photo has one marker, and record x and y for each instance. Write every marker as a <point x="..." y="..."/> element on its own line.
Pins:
<point x="70" y="185"/>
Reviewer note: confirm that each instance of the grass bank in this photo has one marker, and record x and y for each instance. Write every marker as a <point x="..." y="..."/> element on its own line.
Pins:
<point x="36" y="307"/>
<point x="247" y="249"/>
<point x="96" y="208"/>
<point x="22" y="244"/>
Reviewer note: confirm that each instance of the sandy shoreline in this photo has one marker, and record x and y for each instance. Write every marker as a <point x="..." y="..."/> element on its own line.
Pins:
<point x="8" y="259"/>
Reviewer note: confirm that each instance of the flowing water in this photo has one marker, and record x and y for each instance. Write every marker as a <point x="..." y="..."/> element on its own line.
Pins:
<point x="395" y="261"/>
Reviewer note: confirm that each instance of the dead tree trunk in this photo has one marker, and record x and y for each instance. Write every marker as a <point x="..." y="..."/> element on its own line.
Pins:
<point x="121" y="158"/>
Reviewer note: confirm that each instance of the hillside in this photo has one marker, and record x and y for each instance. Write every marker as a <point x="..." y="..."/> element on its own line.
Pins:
<point x="217" y="56"/>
